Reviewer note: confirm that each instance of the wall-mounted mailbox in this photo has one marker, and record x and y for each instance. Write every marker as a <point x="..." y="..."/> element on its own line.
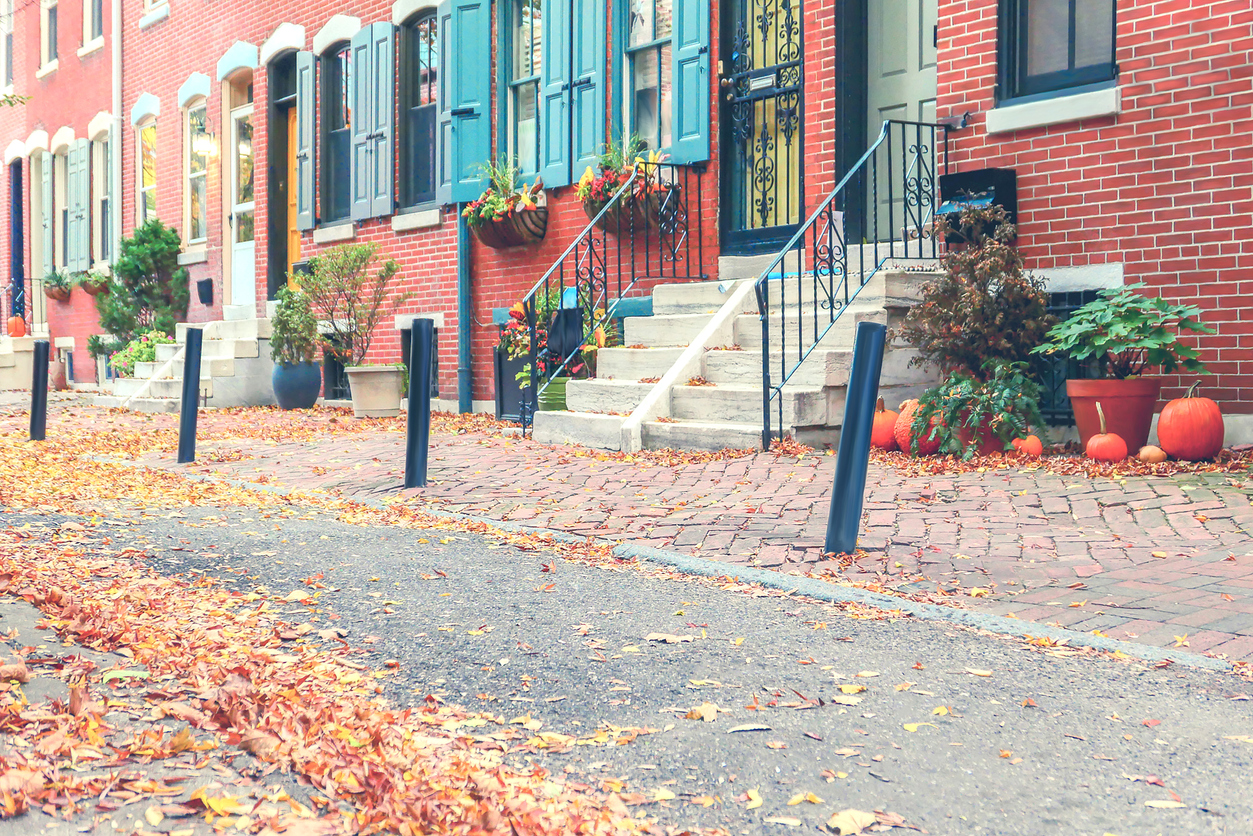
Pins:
<point x="981" y="187"/>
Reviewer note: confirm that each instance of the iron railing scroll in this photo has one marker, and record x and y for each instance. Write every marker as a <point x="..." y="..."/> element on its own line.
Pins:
<point x="883" y="209"/>
<point x="649" y="231"/>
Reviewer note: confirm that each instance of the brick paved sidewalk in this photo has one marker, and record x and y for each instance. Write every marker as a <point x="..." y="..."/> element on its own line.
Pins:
<point x="1164" y="561"/>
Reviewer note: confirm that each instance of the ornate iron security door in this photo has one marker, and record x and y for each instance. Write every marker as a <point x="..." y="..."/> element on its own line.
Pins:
<point x="762" y="117"/>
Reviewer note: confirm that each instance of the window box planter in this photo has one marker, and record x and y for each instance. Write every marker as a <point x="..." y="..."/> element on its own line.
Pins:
<point x="57" y="294"/>
<point x="517" y="229"/>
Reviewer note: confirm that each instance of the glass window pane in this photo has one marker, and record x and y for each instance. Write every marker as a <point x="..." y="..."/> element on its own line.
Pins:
<point x="198" y="226"/>
<point x="339" y="71"/>
<point x="426" y="60"/>
<point x="1048" y="36"/>
<point x="665" y="18"/>
<point x="640" y="22"/>
<point x="645" y="97"/>
<point x="150" y="204"/>
<point x="1094" y="32"/>
<point x="526" y="142"/>
<point x="198" y="135"/>
<point x="526" y="38"/>
<point x="148" y="150"/>
<point x="243" y="160"/>
<point x="244" y="227"/>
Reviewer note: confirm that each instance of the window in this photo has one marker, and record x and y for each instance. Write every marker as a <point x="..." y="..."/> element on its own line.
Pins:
<point x="419" y="110"/>
<point x="60" y="213"/>
<point x="524" y="86"/>
<point x="199" y="145"/>
<point x="101" y="231"/>
<point x="1050" y="45"/>
<point x="93" y="20"/>
<point x="336" y="133"/>
<point x="48" y="32"/>
<point x="649" y="50"/>
<point x="6" y="43"/>
<point x="147" y="160"/>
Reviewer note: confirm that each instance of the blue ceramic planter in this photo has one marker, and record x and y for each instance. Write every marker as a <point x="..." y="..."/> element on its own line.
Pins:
<point x="298" y="386"/>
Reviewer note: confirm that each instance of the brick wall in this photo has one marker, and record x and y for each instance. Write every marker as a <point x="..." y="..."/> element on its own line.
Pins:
<point x="1164" y="188"/>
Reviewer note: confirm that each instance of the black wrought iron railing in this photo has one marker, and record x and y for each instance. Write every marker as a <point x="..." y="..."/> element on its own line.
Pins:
<point x="651" y="229"/>
<point x="882" y="210"/>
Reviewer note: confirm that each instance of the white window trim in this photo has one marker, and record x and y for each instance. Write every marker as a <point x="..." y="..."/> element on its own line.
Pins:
<point x="194" y="243"/>
<point x="155" y="14"/>
<point x="47" y="64"/>
<point x="88" y="40"/>
<point x="48" y="69"/>
<point x="99" y="193"/>
<point x="94" y="45"/>
<point x="1055" y="111"/>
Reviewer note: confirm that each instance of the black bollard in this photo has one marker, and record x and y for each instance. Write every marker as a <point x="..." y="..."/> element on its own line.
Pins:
<point x="418" y="428"/>
<point x="39" y="392"/>
<point x="191" y="397"/>
<point x="853" y="458"/>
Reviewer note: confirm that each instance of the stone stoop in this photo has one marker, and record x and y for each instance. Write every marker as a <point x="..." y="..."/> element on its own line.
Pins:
<point x="17" y="363"/>
<point x="235" y="369"/>
<point x="725" y="408"/>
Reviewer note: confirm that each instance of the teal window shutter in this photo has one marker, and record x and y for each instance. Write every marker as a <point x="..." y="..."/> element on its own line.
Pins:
<point x="383" y="117"/>
<point x="470" y="88"/>
<point x="554" y="130"/>
<point x="306" y="71"/>
<point x="70" y="230"/>
<point x="587" y="89"/>
<point x="46" y="163"/>
<point x="690" y="84"/>
<point x="84" y="205"/>
<point x="443" y="128"/>
<point x="360" y="83"/>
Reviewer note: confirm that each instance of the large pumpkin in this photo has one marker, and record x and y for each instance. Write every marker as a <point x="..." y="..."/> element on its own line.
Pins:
<point x="904" y="431"/>
<point x="1191" y="428"/>
<point x="17" y="326"/>
<point x="883" y="433"/>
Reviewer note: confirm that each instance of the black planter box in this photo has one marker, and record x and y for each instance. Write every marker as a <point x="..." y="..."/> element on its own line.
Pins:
<point x="204" y="291"/>
<point x="981" y="187"/>
<point x="509" y="393"/>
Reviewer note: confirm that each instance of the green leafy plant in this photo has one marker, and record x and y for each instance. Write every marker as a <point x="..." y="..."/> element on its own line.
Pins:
<point x="294" y="338"/>
<point x="1001" y="403"/>
<point x="1130" y="333"/>
<point x="58" y="280"/>
<point x="352" y="293"/>
<point x="984" y="306"/>
<point x="505" y="193"/>
<point x="142" y="349"/>
<point x="150" y="290"/>
<point x="102" y="345"/>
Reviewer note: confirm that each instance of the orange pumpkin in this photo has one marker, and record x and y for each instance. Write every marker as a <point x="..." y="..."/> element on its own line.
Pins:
<point x="904" y="431"/>
<point x="883" y="433"/>
<point x="1029" y="446"/>
<point x="17" y="326"/>
<point x="1151" y="455"/>
<point x="1106" y="447"/>
<point x="1191" y="428"/>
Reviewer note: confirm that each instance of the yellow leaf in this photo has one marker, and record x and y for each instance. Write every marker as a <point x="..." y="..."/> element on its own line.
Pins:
<point x="978" y="672"/>
<point x="1182" y="641"/>
<point x="904" y="686"/>
<point x="154" y="816"/>
<point x="979" y="592"/>
<point x="739" y="642"/>
<point x="913" y="727"/>
<point x="848" y="822"/>
<point x="852" y="689"/>
<point x="706" y="711"/>
<point x="868" y="674"/>
<point x="662" y="794"/>
<point x="754" y="800"/>
<point x="799" y="798"/>
<point x="940" y="711"/>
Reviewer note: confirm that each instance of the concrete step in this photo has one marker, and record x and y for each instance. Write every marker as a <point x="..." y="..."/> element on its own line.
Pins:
<point x="665" y="330"/>
<point x="126" y="386"/>
<point x="238" y="349"/>
<point x="8" y="359"/>
<point x="698" y="435"/>
<point x="617" y="397"/>
<point x="244" y="329"/>
<point x="635" y="363"/>
<point x="600" y="431"/>
<point x="151" y="405"/>
<point x="209" y="367"/>
<point x="823" y="367"/>
<point x="791" y="332"/>
<point x="695" y="297"/>
<point x="802" y="405"/>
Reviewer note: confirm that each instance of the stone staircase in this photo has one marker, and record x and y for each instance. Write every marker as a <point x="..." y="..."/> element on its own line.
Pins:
<point x="724" y="407"/>
<point x="235" y="368"/>
<point x="17" y="361"/>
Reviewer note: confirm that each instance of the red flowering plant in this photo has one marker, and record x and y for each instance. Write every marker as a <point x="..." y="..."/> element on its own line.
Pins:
<point x="515" y="342"/>
<point x="618" y="162"/>
<point x="505" y="195"/>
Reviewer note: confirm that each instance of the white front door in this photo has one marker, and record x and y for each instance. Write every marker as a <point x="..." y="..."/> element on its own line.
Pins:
<point x="901" y="62"/>
<point x="243" y="210"/>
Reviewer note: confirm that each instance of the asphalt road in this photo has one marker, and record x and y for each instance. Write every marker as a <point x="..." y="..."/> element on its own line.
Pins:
<point x="494" y="632"/>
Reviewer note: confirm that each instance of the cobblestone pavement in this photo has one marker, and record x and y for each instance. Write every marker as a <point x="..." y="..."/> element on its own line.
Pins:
<point x="1163" y="561"/>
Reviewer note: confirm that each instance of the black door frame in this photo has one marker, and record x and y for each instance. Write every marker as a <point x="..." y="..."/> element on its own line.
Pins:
<point x="852" y="83"/>
<point x="276" y="178"/>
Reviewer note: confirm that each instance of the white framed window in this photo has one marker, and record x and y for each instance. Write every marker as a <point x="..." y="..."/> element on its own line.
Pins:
<point x="6" y="42"/>
<point x="101" y="200"/>
<point x="197" y="149"/>
<point x="93" y="20"/>
<point x="146" y="174"/>
<point x="150" y="5"/>
<point x="649" y="52"/>
<point x="524" y="83"/>
<point x="47" y="33"/>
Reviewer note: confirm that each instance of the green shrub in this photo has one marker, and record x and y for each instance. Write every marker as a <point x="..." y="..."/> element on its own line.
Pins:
<point x="142" y="349"/>
<point x="1003" y="401"/>
<point x="149" y="291"/>
<point x="353" y="295"/>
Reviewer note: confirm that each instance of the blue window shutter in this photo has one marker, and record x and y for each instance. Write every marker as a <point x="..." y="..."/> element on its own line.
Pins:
<point x="306" y="71"/>
<point x="443" y="129"/>
<point x="554" y="90"/>
<point x="46" y="164"/>
<point x="84" y="204"/>
<point x="383" y="112"/>
<point x="587" y="88"/>
<point x="690" y="97"/>
<point x="360" y="84"/>
<point x="471" y="87"/>
<point x="70" y="229"/>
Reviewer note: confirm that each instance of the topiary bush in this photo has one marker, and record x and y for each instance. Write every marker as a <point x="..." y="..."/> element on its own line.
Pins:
<point x="149" y="290"/>
<point x="985" y="306"/>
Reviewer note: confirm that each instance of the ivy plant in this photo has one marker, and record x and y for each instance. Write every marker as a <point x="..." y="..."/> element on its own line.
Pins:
<point x="1003" y="401"/>
<point x="1131" y="333"/>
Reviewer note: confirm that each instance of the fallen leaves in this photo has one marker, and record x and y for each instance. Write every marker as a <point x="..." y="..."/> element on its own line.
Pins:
<point x="706" y="711"/>
<point x="849" y="822"/>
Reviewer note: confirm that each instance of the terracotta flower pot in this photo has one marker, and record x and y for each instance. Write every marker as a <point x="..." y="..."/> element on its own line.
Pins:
<point x="985" y="440"/>
<point x="375" y="390"/>
<point x="1128" y="406"/>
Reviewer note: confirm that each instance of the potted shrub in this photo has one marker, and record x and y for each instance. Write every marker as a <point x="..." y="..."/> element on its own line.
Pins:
<point x="57" y="286"/>
<point x="980" y="415"/>
<point x="633" y="212"/>
<point x="508" y="213"/>
<point x="294" y="341"/>
<point x="1125" y="333"/>
<point x="352" y="296"/>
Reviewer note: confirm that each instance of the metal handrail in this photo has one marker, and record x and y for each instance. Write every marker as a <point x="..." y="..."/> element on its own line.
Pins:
<point x="829" y="248"/>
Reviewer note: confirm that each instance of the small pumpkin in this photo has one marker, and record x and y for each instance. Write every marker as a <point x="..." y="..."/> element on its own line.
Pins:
<point x="1029" y="446"/>
<point x="927" y="446"/>
<point x="17" y="326"/>
<point x="1151" y="455"/>
<point x="1106" y="447"/>
<point x="883" y="432"/>
<point x="1191" y="428"/>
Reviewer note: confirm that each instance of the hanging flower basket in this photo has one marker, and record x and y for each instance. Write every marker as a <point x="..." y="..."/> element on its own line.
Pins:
<point x="57" y="294"/>
<point x="94" y="287"/>
<point x="632" y="214"/>
<point x="514" y="230"/>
